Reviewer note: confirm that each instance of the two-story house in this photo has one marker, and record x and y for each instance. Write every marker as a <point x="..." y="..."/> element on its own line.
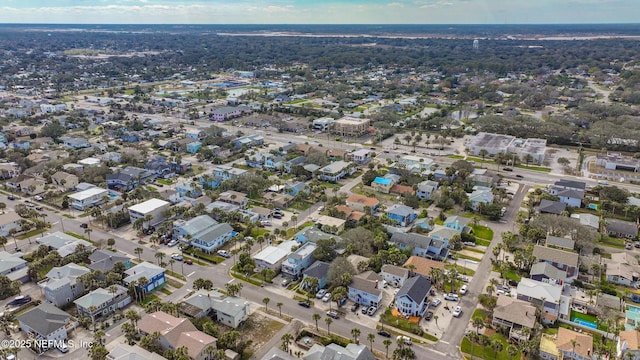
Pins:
<point x="412" y="298"/>
<point x="394" y="275"/>
<point x="362" y="203"/>
<point x="564" y="261"/>
<point x="235" y="198"/>
<point x="45" y="322"/>
<point x="548" y="296"/>
<point x="9" y="221"/>
<point x="426" y="189"/>
<point x="13" y="266"/>
<point x="366" y="289"/>
<point x="516" y="315"/>
<point x="105" y="260"/>
<point x="480" y="196"/>
<point x="318" y="270"/>
<point x="64" y="180"/>
<point x="382" y="184"/>
<point x="103" y="302"/>
<point x="153" y="274"/>
<point x="229" y="310"/>
<point x="623" y="269"/>
<point x="336" y="171"/>
<point x="401" y="214"/>
<point x="567" y="344"/>
<point x="213" y="237"/>
<point x="299" y="260"/>
<point x="62" y="285"/>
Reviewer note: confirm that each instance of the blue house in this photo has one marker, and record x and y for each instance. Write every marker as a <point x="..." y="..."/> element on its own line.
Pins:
<point x="458" y="223"/>
<point x="160" y="166"/>
<point x="274" y="162"/>
<point x="153" y="273"/>
<point x="299" y="260"/>
<point x="188" y="189"/>
<point x="255" y="160"/>
<point x="401" y="214"/>
<point x="193" y="147"/>
<point x="21" y="144"/>
<point x="312" y="234"/>
<point x="295" y="189"/>
<point x="318" y="270"/>
<point x="212" y="238"/>
<point x="130" y="136"/>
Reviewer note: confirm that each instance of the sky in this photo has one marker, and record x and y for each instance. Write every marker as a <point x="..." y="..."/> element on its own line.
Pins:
<point x="319" y="11"/>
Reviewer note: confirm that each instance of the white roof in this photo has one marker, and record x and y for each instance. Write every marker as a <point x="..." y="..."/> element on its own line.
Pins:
<point x="275" y="254"/>
<point x="539" y="290"/>
<point x="85" y="194"/>
<point x="148" y="206"/>
<point x="89" y="161"/>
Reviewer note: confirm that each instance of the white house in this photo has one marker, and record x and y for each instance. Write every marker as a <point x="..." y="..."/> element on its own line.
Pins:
<point x="9" y="221"/>
<point x="85" y="199"/>
<point x="45" y="322"/>
<point x="365" y="289"/>
<point x="272" y="257"/>
<point x="394" y="275"/>
<point x="229" y="310"/>
<point x="299" y="260"/>
<point x="412" y="299"/>
<point x="155" y="208"/>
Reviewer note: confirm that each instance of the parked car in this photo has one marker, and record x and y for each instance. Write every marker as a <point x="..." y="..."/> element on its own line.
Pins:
<point x="326" y="297"/>
<point x="428" y="316"/>
<point x="38" y="198"/>
<point x="19" y="300"/>
<point x="463" y="289"/>
<point x="286" y="282"/>
<point x="637" y="244"/>
<point x="628" y="246"/>
<point x="188" y="261"/>
<point x="355" y="307"/>
<point x="507" y="169"/>
<point x="512" y="283"/>
<point x="436" y="302"/>
<point x="223" y="253"/>
<point x="321" y="293"/>
<point x="372" y="310"/>
<point x="451" y="297"/>
<point x="405" y="339"/>
<point x="172" y="243"/>
<point x="39" y="208"/>
<point x="63" y="348"/>
<point x="304" y="304"/>
<point x="11" y="197"/>
<point x="333" y="314"/>
<point x="457" y="311"/>
<point x="364" y="310"/>
<point x="84" y="225"/>
<point x="177" y="257"/>
<point x="504" y="288"/>
<point x="384" y="333"/>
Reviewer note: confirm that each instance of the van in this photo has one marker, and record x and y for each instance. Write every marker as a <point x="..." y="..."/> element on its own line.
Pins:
<point x="603" y="182"/>
<point x="405" y="339"/>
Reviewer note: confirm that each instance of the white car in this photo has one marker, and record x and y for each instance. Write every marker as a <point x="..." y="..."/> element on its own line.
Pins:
<point x="177" y="257"/>
<point x="463" y="289"/>
<point x="326" y="297"/>
<point x="321" y="293"/>
<point x="223" y="253"/>
<point x="172" y="243"/>
<point x="436" y="302"/>
<point x="457" y="311"/>
<point x="451" y="297"/>
<point x="405" y="339"/>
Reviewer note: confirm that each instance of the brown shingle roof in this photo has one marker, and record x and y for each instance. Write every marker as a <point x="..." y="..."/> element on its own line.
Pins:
<point x="631" y="337"/>
<point x="363" y="200"/>
<point x="584" y="343"/>
<point x="168" y="326"/>
<point x="195" y="342"/>
<point x="515" y="311"/>
<point x="402" y="189"/>
<point x="422" y="265"/>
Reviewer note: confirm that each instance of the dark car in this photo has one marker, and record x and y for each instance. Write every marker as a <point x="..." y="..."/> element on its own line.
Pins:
<point x="304" y="304"/>
<point x="20" y="300"/>
<point x="355" y="307"/>
<point x="384" y="333"/>
<point x="429" y="315"/>
<point x="84" y="225"/>
<point x="507" y="169"/>
<point x="188" y="262"/>
<point x="519" y="176"/>
<point x="513" y="283"/>
<point x="11" y="197"/>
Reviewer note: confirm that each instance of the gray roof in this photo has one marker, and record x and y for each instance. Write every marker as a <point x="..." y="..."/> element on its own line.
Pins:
<point x="411" y="239"/>
<point x="574" y="194"/>
<point x="44" y="319"/>
<point x="555" y="255"/>
<point x="9" y="261"/>
<point x="146" y="269"/>
<point x="561" y="242"/>
<point x="395" y="270"/>
<point x="205" y="300"/>
<point x="318" y="270"/>
<point x="71" y="270"/>
<point x="621" y="227"/>
<point x="196" y="224"/>
<point x="313" y="234"/>
<point x="401" y="210"/>
<point x="552" y="207"/>
<point x="99" y="296"/>
<point x="416" y="288"/>
<point x="548" y="270"/>
<point x="276" y="354"/>
<point x="123" y="351"/>
<point x="571" y="184"/>
<point x="104" y="260"/>
<point x="214" y="232"/>
<point x="337" y="352"/>
<point x="59" y="240"/>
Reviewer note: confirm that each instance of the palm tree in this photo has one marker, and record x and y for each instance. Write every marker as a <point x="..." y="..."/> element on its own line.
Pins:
<point x="88" y="232"/>
<point x="512" y="351"/>
<point x="328" y="321"/>
<point x="371" y="337"/>
<point x="160" y="256"/>
<point x="497" y="346"/>
<point x="387" y="343"/>
<point x="316" y="317"/>
<point x="286" y="340"/>
<point x="266" y="302"/>
<point x="133" y="316"/>
<point x="279" y="305"/>
<point x="355" y="332"/>
<point x="138" y="252"/>
<point x="478" y="323"/>
<point x="573" y="343"/>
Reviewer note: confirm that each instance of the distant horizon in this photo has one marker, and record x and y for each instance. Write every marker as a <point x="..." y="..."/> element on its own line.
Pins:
<point x="325" y="24"/>
<point x="327" y="12"/>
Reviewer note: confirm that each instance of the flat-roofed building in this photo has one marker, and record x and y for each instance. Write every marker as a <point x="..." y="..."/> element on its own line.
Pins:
<point x="618" y="161"/>
<point x="507" y="144"/>
<point x="351" y="126"/>
<point x="85" y="199"/>
<point x="156" y="208"/>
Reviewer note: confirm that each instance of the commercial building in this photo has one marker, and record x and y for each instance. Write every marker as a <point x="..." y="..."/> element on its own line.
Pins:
<point x="507" y="144"/>
<point x="350" y="126"/>
<point x="155" y="208"/>
<point x="618" y="161"/>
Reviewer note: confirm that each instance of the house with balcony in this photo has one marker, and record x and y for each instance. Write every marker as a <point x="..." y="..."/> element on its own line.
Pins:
<point x="105" y="260"/>
<point x="61" y="285"/>
<point x="152" y="273"/>
<point x="394" y="275"/>
<point x="318" y="270"/>
<point x="545" y="295"/>
<point x="413" y="297"/>
<point x="234" y="197"/>
<point x="515" y="315"/>
<point x="156" y="209"/>
<point x="212" y="238"/>
<point x="45" y="322"/>
<point x="623" y="269"/>
<point x="361" y="156"/>
<point x="85" y="199"/>
<point x="229" y="310"/>
<point x="567" y="344"/>
<point x="103" y="302"/>
<point x="299" y="260"/>
<point x="190" y="189"/>
<point x="366" y="289"/>
<point x="480" y="196"/>
<point x="226" y="172"/>
<point x="564" y="261"/>
<point x="426" y="189"/>
<point x="382" y="184"/>
<point x="272" y="257"/>
<point x="401" y="214"/>
<point x="336" y="171"/>
<point x="64" y="180"/>
<point x="362" y="203"/>
<point x="275" y="162"/>
<point x="628" y="343"/>
<point x="190" y="228"/>
<point x="32" y="186"/>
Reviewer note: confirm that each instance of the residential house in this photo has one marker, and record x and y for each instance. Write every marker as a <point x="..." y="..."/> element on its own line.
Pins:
<point x="412" y="299"/>
<point x="177" y="332"/>
<point x="422" y="266"/>
<point x="74" y="142"/>
<point x="366" y="289"/>
<point x="299" y="260"/>
<point x="190" y="228"/>
<point x="160" y="166"/>
<point x="154" y="209"/>
<point x="402" y="190"/>
<point x="124" y="351"/>
<point x="195" y="134"/>
<point x="362" y="203"/>
<point x="103" y="302"/>
<point x="32" y="186"/>
<point x="623" y="269"/>
<point x="568" y="185"/>
<point x="425" y="224"/>
<point x="297" y="188"/>
<point x="560" y="242"/>
<point x="515" y="315"/>
<point x="551" y="207"/>
<point x="318" y="270"/>
<point x="151" y="272"/>
<point x="394" y="275"/>
<point x="548" y="296"/>
<point x="62" y="285"/>
<point x="13" y="266"/>
<point x="361" y="156"/>
<point x="129" y="178"/>
<point x="225" y="172"/>
<point x="480" y="196"/>
<point x="628" y="343"/>
<point x="621" y="229"/>
<point x="426" y="189"/>
<point x="85" y="199"/>
<point x="330" y="224"/>
<point x="9" y="221"/>
<point x="312" y="234"/>
<point x="323" y="124"/>
<point x="272" y="257"/>
<point x="275" y="162"/>
<point x="45" y="322"/>
<point x="590" y="220"/>
<point x="401" y="214"/>
<point x="419" y="243"/>
<point x="64" y="244"/>
<point x="234" y="197"/>
<point x="90" y="162"/>
<point x="64" y="180"/>
<point x="212" y="238"/>
<point x="248" y="141"/>
<point x="457" y="223"/>
<point x="382" y="184"/>
<point x="105" y="260"/>
<point x="295" y="165"/>
<point x="189" y="189"/>
<point x="194" y="146"/>
<point x="565" y="261"/>
<point x="229" y="310"/>
<point x="568" y="344"/>
<point x="572" y="198"/>
<point x="336" y="171"/>
<point x="484" y="178"/>
<point x="337" y="352"/>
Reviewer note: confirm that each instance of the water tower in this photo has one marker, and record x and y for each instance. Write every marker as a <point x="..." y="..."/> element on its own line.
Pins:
<point x="476" y="45"/>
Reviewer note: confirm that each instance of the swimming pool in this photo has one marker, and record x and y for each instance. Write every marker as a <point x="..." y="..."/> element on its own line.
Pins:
<point x="586" y="323"/>
<point x="634" y="309"/>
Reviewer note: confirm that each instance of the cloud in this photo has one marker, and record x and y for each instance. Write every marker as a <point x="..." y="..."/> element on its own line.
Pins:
<point x="395" y="4"/>
<point x="437" y="4"/>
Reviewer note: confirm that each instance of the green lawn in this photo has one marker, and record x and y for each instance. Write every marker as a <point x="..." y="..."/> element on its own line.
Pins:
<point x="31" y="233"/>
<point x="461" y="269"/>
<point x="536" y="168"/>
<point x="402" y="324"/>
<point x="586" y="317"/>
<point x="462" y="256"/>
<point x="612" y="242"/>
<point x="482" y="232"/>
<point x="486" y="352"/>
<point x="483" y="242"/>
<point x="164" y="182"/>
